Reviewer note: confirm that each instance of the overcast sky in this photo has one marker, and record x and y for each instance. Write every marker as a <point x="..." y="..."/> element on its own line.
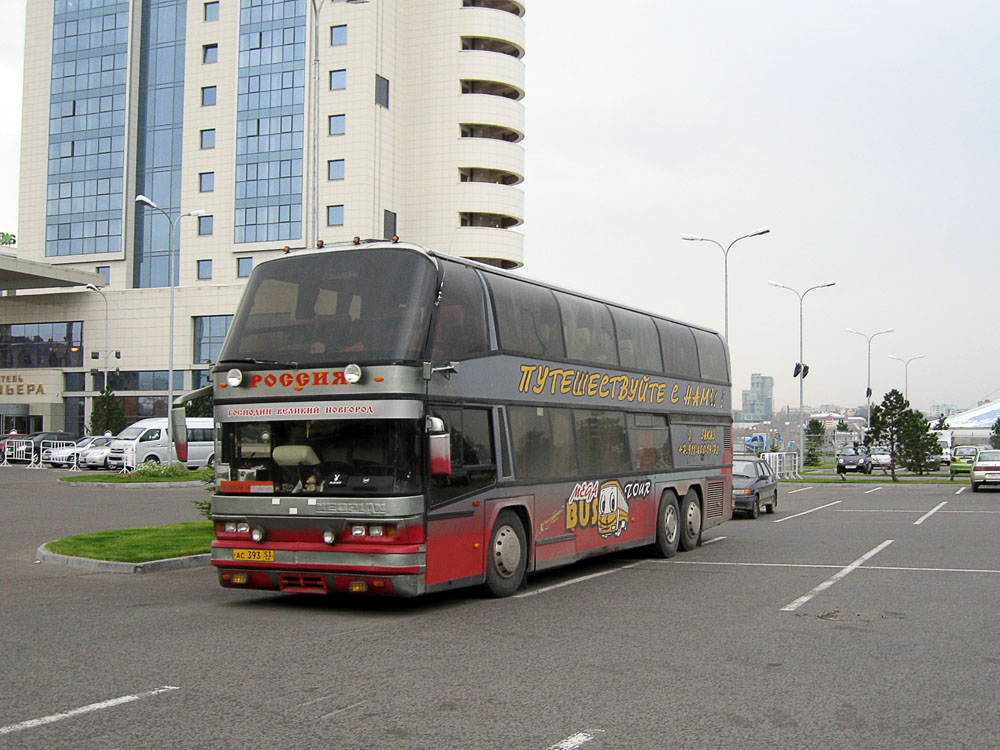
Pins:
<point x="866" y="135"/>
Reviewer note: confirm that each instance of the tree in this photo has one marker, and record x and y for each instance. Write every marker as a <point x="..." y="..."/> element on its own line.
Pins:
<point x="886" y="425"/>
<point x="919" y="445"/>
<point x="815" y="432"/>
<point x="108" y="414"/>
<point x="200" y="407"/>
<point x="842" y="427"/>
<point x="995" y="435"/>
<point x="942" y="423"/>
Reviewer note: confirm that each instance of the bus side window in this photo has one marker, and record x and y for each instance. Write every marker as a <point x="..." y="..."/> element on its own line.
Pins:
<point x="461" y="321"/>
<point x="473" y="466"/>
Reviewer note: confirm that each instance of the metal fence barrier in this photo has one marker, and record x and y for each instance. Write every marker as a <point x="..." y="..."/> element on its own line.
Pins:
<point x="784" y="465"/>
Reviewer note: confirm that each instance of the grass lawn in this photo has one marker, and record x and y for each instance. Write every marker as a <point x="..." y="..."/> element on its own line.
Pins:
<point x="139" y="545"/>
<point x="198" y="475"/>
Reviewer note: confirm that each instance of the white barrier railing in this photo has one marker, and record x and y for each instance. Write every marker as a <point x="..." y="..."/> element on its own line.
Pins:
<point x="128" y="460"/>
<point x="19" y="450"/>
<point x="48" y="446"/>
<point x="784" y="465"/>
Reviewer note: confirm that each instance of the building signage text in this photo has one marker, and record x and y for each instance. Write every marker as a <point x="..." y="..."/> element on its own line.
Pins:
<point x="14" y="385"/>
<point x="299" y="380"/>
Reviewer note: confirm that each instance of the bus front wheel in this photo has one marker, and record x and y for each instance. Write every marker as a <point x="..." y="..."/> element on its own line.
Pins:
<point x="690" y="521"/>
<point x="668" y="525"/>
<point x="507" y="556"/>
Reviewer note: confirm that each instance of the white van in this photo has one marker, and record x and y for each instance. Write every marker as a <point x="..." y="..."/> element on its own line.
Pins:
<point x="148" y="437"/>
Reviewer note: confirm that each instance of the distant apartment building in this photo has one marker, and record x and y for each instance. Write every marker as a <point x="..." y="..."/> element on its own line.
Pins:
<point x="252" y="125"/>
<point x="944" y="410"/>
<point x="758" y="402"/>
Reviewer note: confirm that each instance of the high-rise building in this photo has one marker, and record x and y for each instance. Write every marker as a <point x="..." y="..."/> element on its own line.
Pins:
<point x="758" y="402"/>
<point x="246" y="126"/>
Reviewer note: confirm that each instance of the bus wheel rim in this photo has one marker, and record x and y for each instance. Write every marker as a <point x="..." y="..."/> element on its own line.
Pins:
<point x="693" y="519"/>
<point x="671" y="524"/>
<point x="506" y="551"/>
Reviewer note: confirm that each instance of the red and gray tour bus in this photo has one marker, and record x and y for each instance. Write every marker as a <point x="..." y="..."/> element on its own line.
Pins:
<point x="396" y="421"/>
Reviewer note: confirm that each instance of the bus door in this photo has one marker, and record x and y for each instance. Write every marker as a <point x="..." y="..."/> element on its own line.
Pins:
<point x="456" y="510"/>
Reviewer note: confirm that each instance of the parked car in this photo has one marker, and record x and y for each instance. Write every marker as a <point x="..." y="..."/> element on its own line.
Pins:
<point x="851" y="459"/>
<point x="10" y="436"/>
<point x="95" y="456"/>
<point x="962" y="457"/>
<point x="985" y="469"/>
<point x="881" y="457"/>
<point x="754" y="485"/>
<point x="33" y="452"/>
<point x="66" y="456"/>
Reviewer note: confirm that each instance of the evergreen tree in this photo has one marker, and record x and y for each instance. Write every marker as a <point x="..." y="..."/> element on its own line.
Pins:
<point x="942" y="423"/>
<point x="886" y="425"/>
<point x="815" y="433"/>
<point x="108" y="414"/>
<point x="918" y="444"/>
<point x="995" y="435"/>
<point x="200" y="407"/>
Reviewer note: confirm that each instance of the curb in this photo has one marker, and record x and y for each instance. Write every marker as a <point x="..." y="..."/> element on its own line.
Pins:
<point x="43" y="555"/>
<point x="135" y="485"/>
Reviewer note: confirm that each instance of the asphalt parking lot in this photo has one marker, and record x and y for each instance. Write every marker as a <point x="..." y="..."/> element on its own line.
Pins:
<point x="858" y="615"/>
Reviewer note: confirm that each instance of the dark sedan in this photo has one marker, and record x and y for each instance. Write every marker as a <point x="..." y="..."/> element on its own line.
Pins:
<point x="754" y="485"/>
<point x="851" y="459"/>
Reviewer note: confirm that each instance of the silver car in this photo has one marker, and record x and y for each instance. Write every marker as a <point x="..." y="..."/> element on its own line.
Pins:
<point x="67" y="455"/>
<point x="96" y="456"/>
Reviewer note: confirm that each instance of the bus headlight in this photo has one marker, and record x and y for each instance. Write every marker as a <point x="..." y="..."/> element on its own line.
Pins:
<point x="329" y="536"/>
<point x="234" y="377"/>
<point x="257" y="534"/>
<point x="352" y="373"/>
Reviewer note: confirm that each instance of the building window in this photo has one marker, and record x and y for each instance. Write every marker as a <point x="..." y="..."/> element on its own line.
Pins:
<point x="209" y="333"/>
<point x="212" y="11"/>
<point x="338" y="80"/>
<point x="210" y="53"/>
<point x="206" y="225"/>
<point x="206" y="182"/>
<point x="381" y="91"/>
<point x="335" y="169"/>
<point x="208" y="138"/>
<point x="338" y="35"/>
<point x="105" y="271"/>
<point x="243" y="267"/>
<point x="204" y="270"/>
<point x="335" y="216"/>
<point x="41" y="344"/>
<point x="208" y="96"/>
<point x="338" y="124"/>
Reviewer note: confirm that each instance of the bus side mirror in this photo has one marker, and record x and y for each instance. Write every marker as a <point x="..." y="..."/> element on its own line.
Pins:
<point x="440" y="447"/>
<point x="178" y="429"/>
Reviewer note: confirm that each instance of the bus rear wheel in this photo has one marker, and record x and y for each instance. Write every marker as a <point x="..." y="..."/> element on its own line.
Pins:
<point x="690" y="521"/>
<point x="507" y="556"/>
<point x="668" y="525"/>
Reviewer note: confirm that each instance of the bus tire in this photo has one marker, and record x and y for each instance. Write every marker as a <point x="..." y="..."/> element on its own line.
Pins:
<point x="507" y="555"/>
<point x="690" y="521"/>
<point x="668" y="525"/>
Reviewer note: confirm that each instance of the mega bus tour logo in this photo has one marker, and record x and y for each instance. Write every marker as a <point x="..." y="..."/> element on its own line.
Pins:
<point x="604" y="505"/>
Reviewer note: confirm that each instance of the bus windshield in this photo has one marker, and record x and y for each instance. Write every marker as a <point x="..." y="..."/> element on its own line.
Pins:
<point x="359" y="458"/>
<point x="335" y="307"/>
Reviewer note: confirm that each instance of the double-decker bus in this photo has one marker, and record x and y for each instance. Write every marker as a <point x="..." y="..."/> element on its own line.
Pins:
<point x="395" y="421"/>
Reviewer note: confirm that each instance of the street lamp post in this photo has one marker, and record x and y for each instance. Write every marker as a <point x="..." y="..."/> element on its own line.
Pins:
<point x="317" y="5"/>
<point x="868" y="389"/>
<point x="801" y="369"/>
<point x="906" y="372"/>
<point x="94" y="288"/>
<point x="725" y="264"/>
<point x="143" y="200"/>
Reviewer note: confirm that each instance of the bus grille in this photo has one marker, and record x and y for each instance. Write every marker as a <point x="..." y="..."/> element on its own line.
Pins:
<point x="713" y="502"/>
<point x="303" y="584"/>
<point x="727" y="438"/>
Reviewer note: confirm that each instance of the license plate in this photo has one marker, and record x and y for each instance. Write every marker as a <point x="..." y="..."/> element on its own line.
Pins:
<point x="254" y="555"/>
<point x="992" y="476"/>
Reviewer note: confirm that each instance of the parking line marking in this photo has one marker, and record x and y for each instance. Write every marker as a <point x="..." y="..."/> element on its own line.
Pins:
<point x="836" y="577"/>
<point x="576" y="580"/>
<point x="806" y="512"/>
<point x="930" y="513"/>
<point x="828" y="566"/>
<point x="874" y="490"/>
<point x="712" y="541"/>
<point x="32" y="723"/>
<point x="960" y="490"/>
<point x="575" y="740"/>
<point x="800" y="489"/>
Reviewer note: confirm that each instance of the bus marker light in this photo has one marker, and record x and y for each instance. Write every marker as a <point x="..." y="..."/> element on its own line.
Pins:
<point x="234" y="377"/>
<point x="239" y="578"/>
<point x="376" y="531"/>
<point x="257" y="534"/>
<point x="352" y="373"/>
<point x="359" y="530"/>
<point x="357" y="587"/>
<point x="329" y="536"/>
<point x="378" y="378"/>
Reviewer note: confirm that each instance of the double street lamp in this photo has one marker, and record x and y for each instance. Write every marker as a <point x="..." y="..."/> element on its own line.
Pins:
<point x="868" y="389"/>
<point x="725" y="263"/>
<point x="143" y="200"/>
<point x="906" y="372"/>
<point x="800" y="367"/>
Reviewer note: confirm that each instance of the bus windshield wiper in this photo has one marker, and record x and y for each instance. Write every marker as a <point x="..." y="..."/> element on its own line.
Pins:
<point x="252" y="361"/>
